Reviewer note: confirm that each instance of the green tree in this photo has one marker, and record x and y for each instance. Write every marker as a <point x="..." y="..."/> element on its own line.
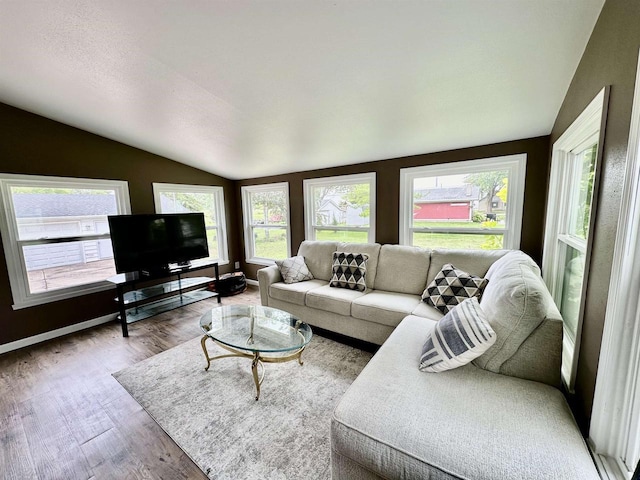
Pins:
<point x="502" y="193"/>
<point x="270" y="207"/>
<point x="358" y="197"/>
<point x="489" y="184"/>
<point x="193" y="202"/>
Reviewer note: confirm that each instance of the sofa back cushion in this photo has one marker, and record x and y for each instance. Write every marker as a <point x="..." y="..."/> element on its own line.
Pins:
<point x="318" y="257"/>
<point x="516" y="302"/>
<point x="371" y="249"/>
<point x="475" y="262"/>
<point x="402" y="269"/>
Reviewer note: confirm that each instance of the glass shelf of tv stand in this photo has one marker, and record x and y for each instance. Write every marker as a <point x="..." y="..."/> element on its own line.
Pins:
<point x="150" y="309"/>
<point x="147" y="293"/>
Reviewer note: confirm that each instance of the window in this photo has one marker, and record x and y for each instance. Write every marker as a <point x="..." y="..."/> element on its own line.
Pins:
<point x="56" y="235"/>
<point x="476" y="204"/>
<point x="614" y="433"/>
<point x="567" y="243"/>
<point x="266" y="222"/>
<point x="171" y="198"/>
<point x="341" y="208"/>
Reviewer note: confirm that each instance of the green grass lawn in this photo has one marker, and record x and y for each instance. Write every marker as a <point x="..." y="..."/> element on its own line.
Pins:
<point x="457" y="241"/>
<point x="275" y="246"/>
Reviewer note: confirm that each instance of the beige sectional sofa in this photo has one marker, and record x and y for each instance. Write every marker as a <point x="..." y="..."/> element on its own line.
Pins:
<point x="501" y="417"/>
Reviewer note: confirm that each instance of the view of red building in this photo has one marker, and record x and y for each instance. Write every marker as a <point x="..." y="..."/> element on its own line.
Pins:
<point x="449" y="203"/>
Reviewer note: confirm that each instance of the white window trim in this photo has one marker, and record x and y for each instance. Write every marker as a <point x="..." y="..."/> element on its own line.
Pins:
<point x="580" y="132"/>
<point x="247" y="220"/>
<point x="516" y="166"/>
<point x="218" y="193"/>
<point x="309" y="214"/>
<point x="615" y="419"/>
<point x="22" y="297"/>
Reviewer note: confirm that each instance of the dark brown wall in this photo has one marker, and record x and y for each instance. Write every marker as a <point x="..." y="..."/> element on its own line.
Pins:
<point x="30" y="144"/>
<point x="610" y="58"/>
<point x="388" y="190"/>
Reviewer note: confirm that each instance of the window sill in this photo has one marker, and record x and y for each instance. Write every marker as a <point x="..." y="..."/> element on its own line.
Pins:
<point x="267" y="262"/>
<point x="62" y="294"/>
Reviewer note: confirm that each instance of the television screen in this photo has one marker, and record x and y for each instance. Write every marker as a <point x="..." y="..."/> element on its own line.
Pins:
<point x="151" y="242"/>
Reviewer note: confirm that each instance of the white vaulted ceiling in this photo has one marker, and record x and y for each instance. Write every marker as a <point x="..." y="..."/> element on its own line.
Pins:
<point x="247" y="88"/>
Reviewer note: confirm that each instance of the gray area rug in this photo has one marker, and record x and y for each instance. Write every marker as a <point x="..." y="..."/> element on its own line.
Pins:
<point x="214" y="418"/>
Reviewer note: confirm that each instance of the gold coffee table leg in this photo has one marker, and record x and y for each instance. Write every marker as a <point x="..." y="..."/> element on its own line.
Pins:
<point x="206" y="354"/>
<point x="254" y="370"/>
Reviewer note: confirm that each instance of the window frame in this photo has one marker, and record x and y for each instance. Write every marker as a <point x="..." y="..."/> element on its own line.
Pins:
<point x="515" y="164"/>
<point x="588" y="127"/>
<point x="218" y="194"/>
<point x="615" y="420"/>
<point x="247" y="216"/>
<point x="16" y="266"/>
<point x="309" y="211"/>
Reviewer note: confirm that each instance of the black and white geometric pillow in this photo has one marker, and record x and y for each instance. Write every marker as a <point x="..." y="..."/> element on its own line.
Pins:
<point x="294" y="269"/>
<point x="349" y="270"/>
<point x="460" y="336"/>
<point x="451" y="287"/>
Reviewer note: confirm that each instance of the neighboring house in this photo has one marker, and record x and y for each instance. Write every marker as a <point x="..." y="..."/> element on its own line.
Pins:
<point x="56" y="215"/>
<point x="446" y="203"/>
<point x="335" y="211"/>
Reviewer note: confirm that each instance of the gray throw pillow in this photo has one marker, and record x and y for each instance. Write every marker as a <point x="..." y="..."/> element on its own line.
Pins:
<point x="349" y="270"/>
<point x="459" y="337"/>
<point x="294" y="269"/>
<point x="451" y="287"/>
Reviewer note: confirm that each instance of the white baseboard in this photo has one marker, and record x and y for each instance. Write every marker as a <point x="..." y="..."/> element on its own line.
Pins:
<point x="42" y="337"/>
<point x="252" y="282"/>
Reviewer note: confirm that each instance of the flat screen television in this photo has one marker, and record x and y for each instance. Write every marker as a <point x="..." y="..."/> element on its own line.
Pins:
<point x="149" y="243"/>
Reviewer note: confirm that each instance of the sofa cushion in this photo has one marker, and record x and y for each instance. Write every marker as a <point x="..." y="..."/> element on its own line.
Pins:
<point x="402" y="269"/>
<point x="427" y="311"/>
<point x="371" y="249"/>
<point x="317" y="256"/>
<point x="460" y="336"/>
<point x="397" y="422"/>
<point x="349" y="271"/>
<point x="294" y="292"/>
<point x="329" y="299"/>
<point x="476" y="262"/>
<point x="387" y="308"/>
<point x="451" y="287"/>
<point x="516" y="301"/>
<point x="294" y="269"/>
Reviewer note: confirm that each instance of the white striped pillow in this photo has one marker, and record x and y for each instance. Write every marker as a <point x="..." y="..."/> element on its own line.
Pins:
<point x="460" y="336"/>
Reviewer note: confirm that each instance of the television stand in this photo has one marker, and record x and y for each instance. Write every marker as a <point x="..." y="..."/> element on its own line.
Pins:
<point x="139" y="303"/>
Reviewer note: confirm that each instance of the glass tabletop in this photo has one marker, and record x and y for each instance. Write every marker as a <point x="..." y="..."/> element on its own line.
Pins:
<point x="255" y="328"/>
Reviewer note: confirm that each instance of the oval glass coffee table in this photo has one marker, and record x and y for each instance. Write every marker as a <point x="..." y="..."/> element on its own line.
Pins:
<point x="262" y="334"/>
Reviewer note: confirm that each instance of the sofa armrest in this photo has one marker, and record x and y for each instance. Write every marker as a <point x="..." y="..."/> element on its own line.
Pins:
<point x="266" y="277"/>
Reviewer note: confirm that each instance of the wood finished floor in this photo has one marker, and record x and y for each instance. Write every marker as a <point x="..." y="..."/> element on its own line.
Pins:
<point x="63" y="416"/>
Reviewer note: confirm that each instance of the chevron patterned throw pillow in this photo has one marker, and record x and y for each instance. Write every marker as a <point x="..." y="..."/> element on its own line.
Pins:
<point x="451" y="287"/>
<point x="349" y="270"/>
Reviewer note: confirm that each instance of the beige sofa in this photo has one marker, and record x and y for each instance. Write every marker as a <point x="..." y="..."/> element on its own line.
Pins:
<point x="500" y="417"/>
